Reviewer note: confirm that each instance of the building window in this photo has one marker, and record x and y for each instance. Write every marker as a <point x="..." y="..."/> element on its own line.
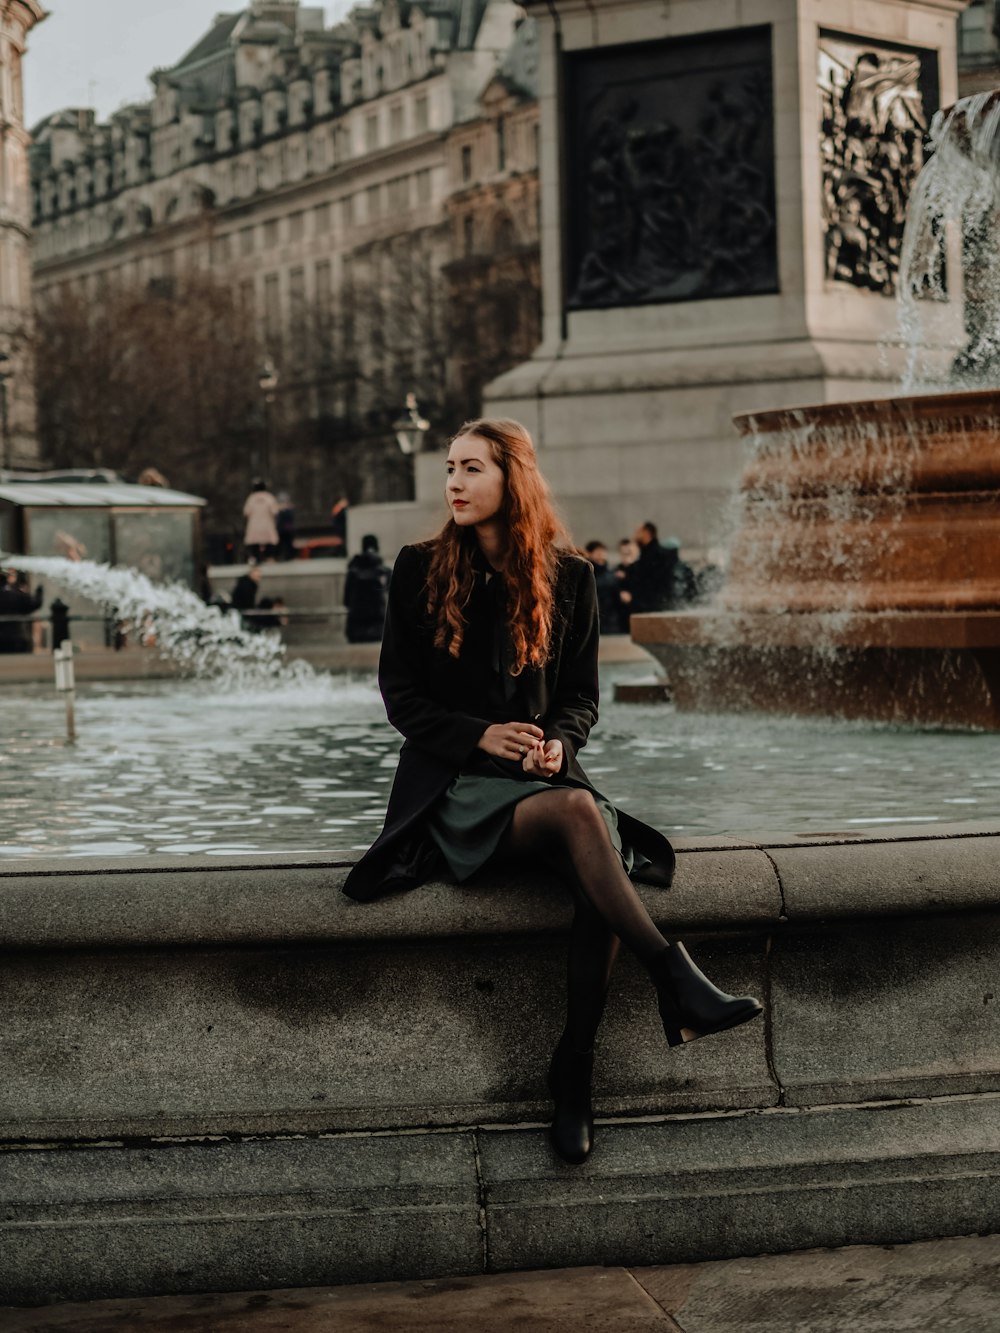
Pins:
<point x="399" y="194"/>
<point x="421" y="114"/>
<point x="272" y="310"/>
<point x="501" y="144"/>
<point x="296" y="226"/>
<point x="536" y="140"/>
<point x="371" y="133"/>
<point x="974" y="37"/>
<point x="247" y="296"/>
<point x="424" y="186"/>
<point x="272" y="233"/>
<point x="246" y="241"/>
<point x="321" y="219"/>
<point x="347" y="210"/>
<point x="396" y="124"/>
<point x="374" y="193"/>
<point x="467" y="162"/>
<point x="468" y="235"/>
<point x="220" y="250"/>
<point x="297" y="310"/>
<point x="324" y="286"/>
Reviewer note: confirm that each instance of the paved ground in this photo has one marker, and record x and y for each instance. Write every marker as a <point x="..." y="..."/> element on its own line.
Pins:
<point x="942" y="1286"/>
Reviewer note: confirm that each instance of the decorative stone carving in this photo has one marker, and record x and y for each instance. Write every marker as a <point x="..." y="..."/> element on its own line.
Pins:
<point x="670" y="175"/>
<point x="876" y="104"/>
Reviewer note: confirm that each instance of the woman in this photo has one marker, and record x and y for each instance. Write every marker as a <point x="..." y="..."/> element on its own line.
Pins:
<point x="260" y="509"/>
<point x="489" y="671"/>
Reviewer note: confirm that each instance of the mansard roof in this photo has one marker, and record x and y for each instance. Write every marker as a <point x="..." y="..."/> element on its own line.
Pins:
<point x="214" y="42"/>
<point x="461" y="19"/>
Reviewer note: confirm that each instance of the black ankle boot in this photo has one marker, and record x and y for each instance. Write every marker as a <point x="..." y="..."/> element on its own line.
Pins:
<point x="690" y="1005"/>
<point x="572" y="1131"/>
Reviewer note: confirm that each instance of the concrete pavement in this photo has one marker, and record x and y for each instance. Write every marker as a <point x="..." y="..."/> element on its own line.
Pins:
<point x="948" y="1286"/>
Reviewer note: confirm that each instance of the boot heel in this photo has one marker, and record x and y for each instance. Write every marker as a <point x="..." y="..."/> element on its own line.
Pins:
<point x="690" y="1005"/>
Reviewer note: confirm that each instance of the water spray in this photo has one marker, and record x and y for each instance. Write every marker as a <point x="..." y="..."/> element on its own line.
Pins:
<point x="208" y="642"/>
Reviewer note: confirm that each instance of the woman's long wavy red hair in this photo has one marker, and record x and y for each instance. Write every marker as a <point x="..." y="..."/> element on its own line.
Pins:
<point x="535" y="536"/>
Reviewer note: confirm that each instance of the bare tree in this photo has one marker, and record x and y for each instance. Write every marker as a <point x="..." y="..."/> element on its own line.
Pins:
<point x="163" y="375"/>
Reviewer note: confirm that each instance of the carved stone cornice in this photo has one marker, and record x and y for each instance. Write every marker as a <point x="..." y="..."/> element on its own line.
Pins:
<point x="25" y="12"/>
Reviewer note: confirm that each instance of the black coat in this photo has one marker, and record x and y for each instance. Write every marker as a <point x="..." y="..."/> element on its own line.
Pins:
<point x="14" y="637"/>
<point x="439" y="704"/>
<point x="651" y="578"/>
<point x="364" y="597"/>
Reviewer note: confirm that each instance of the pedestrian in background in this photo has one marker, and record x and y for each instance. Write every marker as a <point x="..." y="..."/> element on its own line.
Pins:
<point x="365" y="593"/>
<point x="338" y="526"/>
<point x="285" y="524"/>
<point x="608" y="588"/>
<point x="260" y="509"/>
<point x="16" y="600"/>
<point x="628" y="554"/>
<point x="245" y="589"/>
<point x="651" y="578"/>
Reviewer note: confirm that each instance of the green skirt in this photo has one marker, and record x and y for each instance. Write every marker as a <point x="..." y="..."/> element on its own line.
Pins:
<point x="471" y="818"/>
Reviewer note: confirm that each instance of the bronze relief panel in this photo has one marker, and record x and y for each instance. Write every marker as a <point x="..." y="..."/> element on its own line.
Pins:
<point x="876" y="104"/>
<point x="669" y="171"/>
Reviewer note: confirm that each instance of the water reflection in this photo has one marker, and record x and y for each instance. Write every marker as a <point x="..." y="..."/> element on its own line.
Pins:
<point x="182" y="768"/>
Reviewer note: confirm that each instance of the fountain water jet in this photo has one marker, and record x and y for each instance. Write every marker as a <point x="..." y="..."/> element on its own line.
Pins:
<point x="864" y="574"/>
<point x="205" y="641"/>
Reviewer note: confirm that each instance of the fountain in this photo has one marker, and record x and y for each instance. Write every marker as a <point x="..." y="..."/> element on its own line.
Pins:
<point x="864" y="573"/>
<point x="205" y="641"/>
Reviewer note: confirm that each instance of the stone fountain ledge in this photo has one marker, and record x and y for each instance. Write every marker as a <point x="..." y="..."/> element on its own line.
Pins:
<point x="221" y="1074"/>
<point x="723" y="882"/>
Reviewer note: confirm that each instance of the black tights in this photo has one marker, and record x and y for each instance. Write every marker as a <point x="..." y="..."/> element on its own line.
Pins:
<point x="565" y="828"/>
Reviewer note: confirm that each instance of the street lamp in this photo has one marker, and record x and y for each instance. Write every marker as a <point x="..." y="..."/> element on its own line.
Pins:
<point x="268" y="378"/>
<point x="411" y="427"/>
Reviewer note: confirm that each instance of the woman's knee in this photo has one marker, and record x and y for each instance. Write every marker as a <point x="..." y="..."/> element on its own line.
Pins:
<point x="578" y="809"/>
<point x="581" y="802"/>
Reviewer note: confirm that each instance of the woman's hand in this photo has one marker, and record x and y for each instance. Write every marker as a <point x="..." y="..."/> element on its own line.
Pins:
<point x="544" y="760"/>
<point x="511" y="740"/>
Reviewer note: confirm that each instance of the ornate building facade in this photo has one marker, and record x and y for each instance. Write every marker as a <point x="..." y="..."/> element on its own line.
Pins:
<point x="17" y="394"/>
<point x="979" y="47"/>
<point x="309" y="167"/>
<point x="494" y="276"/>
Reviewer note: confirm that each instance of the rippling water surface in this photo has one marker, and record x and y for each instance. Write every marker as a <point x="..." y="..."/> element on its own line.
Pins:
<point x="184" y="767"/>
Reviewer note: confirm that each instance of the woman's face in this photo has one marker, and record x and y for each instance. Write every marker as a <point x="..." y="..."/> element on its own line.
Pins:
<point x="475" y="486"/>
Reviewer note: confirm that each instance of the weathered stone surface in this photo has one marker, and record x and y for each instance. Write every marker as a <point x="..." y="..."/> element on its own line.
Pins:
<point x="952" y="1286"/>
<point x="213" y="900"/>
<point x="908" y="875"/>
<point x="718" y="1187"/>
<point x="607" y="1300"/>
<point x="136" y="1042"/>
<point x="128" y="1221"/>
<point x="887" y="1009"/>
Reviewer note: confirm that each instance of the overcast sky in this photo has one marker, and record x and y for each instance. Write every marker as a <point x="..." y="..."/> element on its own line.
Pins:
<point x="100" y="52"/>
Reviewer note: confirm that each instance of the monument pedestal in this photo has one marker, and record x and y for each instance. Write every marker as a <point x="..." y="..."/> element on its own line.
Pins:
<point x="723" y="185"/>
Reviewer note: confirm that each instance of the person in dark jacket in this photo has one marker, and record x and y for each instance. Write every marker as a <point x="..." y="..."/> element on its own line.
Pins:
<point x="489" y="671"/>
<point x="245" y="589"/>
<point x="608" y="588"/>
<point x="16" y="600"/>
<point x="651" y="578"/>
<point x="365" y="593"/>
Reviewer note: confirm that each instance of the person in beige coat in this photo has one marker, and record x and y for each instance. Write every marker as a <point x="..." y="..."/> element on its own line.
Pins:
<point x="260" y="511"/>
